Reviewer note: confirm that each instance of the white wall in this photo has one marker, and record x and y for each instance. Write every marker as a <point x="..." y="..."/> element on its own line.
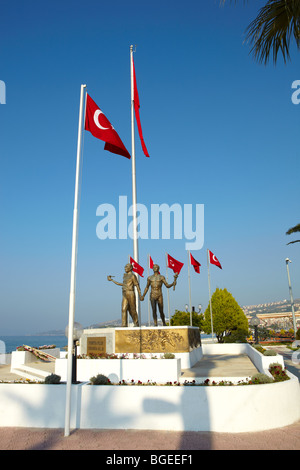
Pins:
<point x="245" y="408"/>
<point x="155" y="370"/>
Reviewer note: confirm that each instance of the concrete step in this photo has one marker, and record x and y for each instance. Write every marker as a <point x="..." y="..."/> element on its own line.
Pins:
<point x="35" y="371"/>
<point x="31" y="375"/>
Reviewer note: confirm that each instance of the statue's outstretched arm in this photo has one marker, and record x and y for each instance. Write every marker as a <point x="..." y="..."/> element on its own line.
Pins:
<point x="109" y="278"/>
<point x="135" y="282"/>
<point x="173" y="283"/>
<point x="146" y="288"/>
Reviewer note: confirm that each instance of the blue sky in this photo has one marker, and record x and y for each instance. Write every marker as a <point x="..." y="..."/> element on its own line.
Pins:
<point x="220" y="128"/>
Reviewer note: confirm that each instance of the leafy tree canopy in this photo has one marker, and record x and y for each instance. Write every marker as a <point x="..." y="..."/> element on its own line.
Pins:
<point x="227" y="315"/>
<point x="183" y="318"/>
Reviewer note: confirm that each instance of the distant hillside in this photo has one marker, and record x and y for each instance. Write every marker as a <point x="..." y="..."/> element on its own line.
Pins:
<point x="283" y="306"/>
<point x="107" y="324"/>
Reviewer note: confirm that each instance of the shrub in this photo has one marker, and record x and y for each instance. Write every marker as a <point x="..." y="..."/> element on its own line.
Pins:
<point x="260" y="378"/>
<point x="298" y="334"/>
<point x="269" y="352"/>
<point x="236" y="336"/>
<point x="168" y="356"/>
<point x="277" y="372"/>
<point x="259" y="348"/>
<point x="52" y="379"/>
<point x="100" y="379"/>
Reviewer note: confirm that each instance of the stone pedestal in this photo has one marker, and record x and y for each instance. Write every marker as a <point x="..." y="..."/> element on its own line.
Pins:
<point x="183" y="341"/>
<point x="97" y="340"/>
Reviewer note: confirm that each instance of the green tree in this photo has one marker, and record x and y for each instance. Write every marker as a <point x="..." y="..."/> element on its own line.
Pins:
<point x="277" y="22"/>
<point x="183" y="318"/>
<point x="227" y="315"/>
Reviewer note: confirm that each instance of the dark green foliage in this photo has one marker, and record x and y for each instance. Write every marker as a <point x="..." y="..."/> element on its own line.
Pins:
<point x="236" y="336"/>
<point x="183" y="318"/>
<point x="100" y="379"/>
<point x="52" y="379"/>
<point x="227" y="315"/>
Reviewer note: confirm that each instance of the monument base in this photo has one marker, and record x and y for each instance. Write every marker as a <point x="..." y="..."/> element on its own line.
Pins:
<point x="183" y="341"/>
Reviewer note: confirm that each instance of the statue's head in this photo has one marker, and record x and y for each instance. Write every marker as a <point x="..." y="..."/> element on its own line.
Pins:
<point x="128" y="267"/>
<point x="156" y="268"/>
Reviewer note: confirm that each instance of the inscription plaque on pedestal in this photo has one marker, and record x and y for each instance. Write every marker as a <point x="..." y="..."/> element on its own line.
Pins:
<point x="96" y="345"/>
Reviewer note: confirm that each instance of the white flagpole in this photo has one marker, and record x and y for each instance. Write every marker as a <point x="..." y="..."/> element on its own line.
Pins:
<point x="211" y="318"/>
<point x="168" y="289"/>
<point x="149" y="317"/>
<point x="73" y="268"/>
<point x="190" y="295"/>
<point x="134" y="198"/>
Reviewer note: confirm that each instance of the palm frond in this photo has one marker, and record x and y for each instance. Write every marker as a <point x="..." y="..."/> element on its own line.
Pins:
<point x="271" y="31"/>
<point x="295" y="241"/>
<point x="293" y="229"/>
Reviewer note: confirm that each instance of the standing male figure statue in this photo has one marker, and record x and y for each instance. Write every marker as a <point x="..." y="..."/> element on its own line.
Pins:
<point x="156" y="298"/>
<point x="128" y="301"/>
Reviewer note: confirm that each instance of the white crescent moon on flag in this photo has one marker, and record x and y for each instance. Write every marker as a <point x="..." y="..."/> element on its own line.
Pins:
<point x="214" y="258"/>
<point x="96" y="120"/>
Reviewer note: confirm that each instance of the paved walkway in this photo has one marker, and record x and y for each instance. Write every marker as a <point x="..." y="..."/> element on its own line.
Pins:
<point x="216" y="365"/>
<point x="287" y="438"/>
<point x="221" y="366"/>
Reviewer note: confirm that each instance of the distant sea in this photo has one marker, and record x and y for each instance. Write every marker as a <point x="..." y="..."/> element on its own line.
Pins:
<point x="12" y="342"/>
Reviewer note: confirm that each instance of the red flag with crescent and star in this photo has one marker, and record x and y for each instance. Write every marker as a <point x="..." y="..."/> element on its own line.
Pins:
<point x="100" y="127"/>
<point x="151" y="264"/>
<point x="136" y="268"/>
<point x="137" y="111"/>
<point x="214" y="260"/>
<point x="174" y="264"/>
<point x="196" y="265"/>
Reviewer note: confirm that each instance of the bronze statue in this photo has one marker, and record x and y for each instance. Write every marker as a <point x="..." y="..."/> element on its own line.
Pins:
<point x="129" y="301"/>
<point x="156" y="298"/>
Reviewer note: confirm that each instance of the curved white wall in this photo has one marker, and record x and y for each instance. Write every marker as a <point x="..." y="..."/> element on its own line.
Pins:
<point x="184" y="408"/>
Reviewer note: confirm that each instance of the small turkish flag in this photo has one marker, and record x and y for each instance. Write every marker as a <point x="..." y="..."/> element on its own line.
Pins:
<point x="151" y="264"/>
<point x="174" y="264"/>
<point x="214" y="260"/>
<point x="196" y="265"/>
<point x="136" y="268"/>
<point x="100" y="127"/>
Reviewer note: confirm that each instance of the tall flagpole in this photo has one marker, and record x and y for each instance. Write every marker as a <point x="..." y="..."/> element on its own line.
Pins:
<point x="134" y="198"/>
<point x="211" y="317"/>
<point x="73" y="268"/>
<point x="149" y="317"/>
<point x="190" y="296"/>
<point x="168" y="289"/>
